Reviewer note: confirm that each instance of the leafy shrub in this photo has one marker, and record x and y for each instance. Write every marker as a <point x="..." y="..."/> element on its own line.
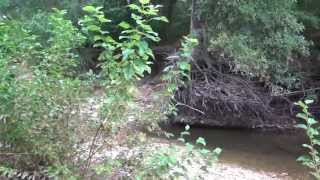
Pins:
<point x="311" y="127"/>
<point x="38" y="102"/>
<point x="58" y="58"/>
<point x="178" y="72"/>
<point x="176" y="162"/>
<point x="264" y="37"/>
<point x="123" y="60"/>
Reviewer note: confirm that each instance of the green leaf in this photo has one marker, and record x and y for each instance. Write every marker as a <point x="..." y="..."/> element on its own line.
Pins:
<point x="301" y="104"/>
<point x="185" y="133"/>
<point x="162" y="18"/>
<point x="307" y="146"/>
<point x="184" y="65"/>
<point x="312" y="132"/>
<point x="301" y="126"/>
<point x="148" y="69"/>
<point x="304" y="159"/>
<point x="309" y="101"/>
<point x="201" y="141"/>
<point x="89" y="9"/>
<point x="126" y="53"/>
<point x="144" y="1"/>
<point x="134" y="7"/>
<point x="204" y="151"/>
<point x="182" y="140"/>
<point x="312" y="121"/>
<point x="302" y="116"/>
<point x="124" y="25"/>
<point x="187" y="128"/>
<point x="94" y="28"/>
<point x="103" y="19"/>
<point x="217" y="151"/>
<point x="128" y="72"/>
<point x="143" y="48"/>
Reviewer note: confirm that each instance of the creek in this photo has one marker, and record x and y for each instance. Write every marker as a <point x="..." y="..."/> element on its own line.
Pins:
<point x="259" y="151"/>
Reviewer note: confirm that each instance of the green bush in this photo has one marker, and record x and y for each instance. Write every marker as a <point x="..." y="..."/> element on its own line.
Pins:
<point x="38" y="101"/>
<point x="176" y="162"/>
<point x="311" y="128"/>
<point x="124" y="59"/>
<point x="265" y="38"/>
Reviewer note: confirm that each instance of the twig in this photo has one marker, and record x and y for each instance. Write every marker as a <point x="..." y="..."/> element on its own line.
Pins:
<point x="15" y="154"/>
<point x="182" y="104"/>
<point x="93" y="143"/>
<point x="298" y="92"/>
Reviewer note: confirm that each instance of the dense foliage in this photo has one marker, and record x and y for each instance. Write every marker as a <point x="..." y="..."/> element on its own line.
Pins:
<point x="39" y="96"/>
<point x="265" y="38"/>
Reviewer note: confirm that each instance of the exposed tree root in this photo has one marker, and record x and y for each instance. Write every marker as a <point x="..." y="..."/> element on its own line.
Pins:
<point x="224" y="99"/>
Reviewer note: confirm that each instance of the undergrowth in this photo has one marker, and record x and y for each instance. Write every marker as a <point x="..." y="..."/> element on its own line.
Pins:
<point x="187" y="161"/>
<point x="311" y="128"/>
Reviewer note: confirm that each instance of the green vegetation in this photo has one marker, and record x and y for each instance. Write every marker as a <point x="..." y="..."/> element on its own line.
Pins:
<point x="38" y="93"/>
<point x="311" y="127"/>
<point x="58" y="57"/>
<point x="263" y="37"/>
<point x="124" y="60"/>
<point x="174" y="162"/>
<point x="177" y="74"/>
<point x="42" y="90"/>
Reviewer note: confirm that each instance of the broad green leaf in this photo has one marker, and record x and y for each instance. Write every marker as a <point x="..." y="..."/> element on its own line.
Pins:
<point x="89" y="9"/>
<point x="124" y="25"/>
<point x="217" y="151"/>
<point x="97" y="38"/>
<point x="204" y="151"/>
<point x="302" y="116"/>
<point x="301" y="104"/>
<point x="126" y="53"/>
<point x="128" y="72"/>
<point x="307" y="146"/>
<point x="304" y="158"/>
<point x="309" y="101"/>
<point x="144" y="1"/>
<point x="161" y="18"/>
<point x="301" y="126"/>
<point x="201" y="141"/>
<point x="182" y="140"/>
<point x="134" y="7"/>
<point x="184" y="65"/>
<point x="312" y="132"/>
<point x="187" y="127"/>
<point x="148" y="69"/>
<point x="312" y="121"/>
<point x="185" y="133"/>
<point x="94" y="28"/>
<point x="103" y="19"/>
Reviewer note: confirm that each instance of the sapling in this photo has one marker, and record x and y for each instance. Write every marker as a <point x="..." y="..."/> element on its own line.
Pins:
<point x="311" y="128"/>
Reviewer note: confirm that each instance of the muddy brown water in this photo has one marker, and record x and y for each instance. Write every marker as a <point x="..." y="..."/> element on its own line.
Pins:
<point x="259" y="151"/>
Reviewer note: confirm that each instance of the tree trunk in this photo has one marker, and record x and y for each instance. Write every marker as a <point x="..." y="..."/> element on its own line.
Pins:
<point x="199" y="31"/>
